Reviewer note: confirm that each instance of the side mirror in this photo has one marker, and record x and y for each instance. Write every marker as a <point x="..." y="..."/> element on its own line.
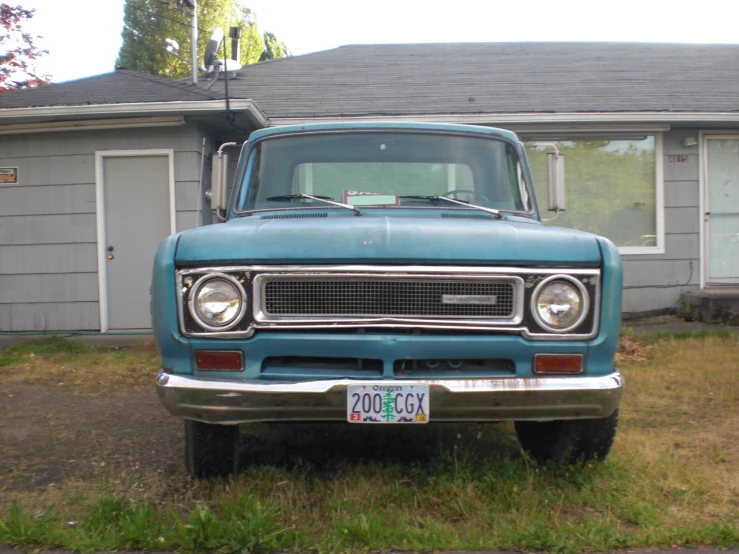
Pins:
<point x="556" y="181"/>
<point x="218" y="178"/>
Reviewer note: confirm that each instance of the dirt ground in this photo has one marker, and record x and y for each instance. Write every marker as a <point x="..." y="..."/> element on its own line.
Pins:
<point x="52" y="434"/>
<point x="55" y="437"/>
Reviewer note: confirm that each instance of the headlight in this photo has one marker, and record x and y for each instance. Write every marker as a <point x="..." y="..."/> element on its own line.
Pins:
<point x="217" y="302"/>
<point x="560" y="303"/>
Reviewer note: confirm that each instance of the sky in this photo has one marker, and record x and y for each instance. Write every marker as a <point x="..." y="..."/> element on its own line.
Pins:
<point x="83" y="36"/>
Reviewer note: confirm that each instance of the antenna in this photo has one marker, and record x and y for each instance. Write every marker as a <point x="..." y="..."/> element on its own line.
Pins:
<point x="173" y="47"/>
<point x="211" y="51"/>
<point x="212" y="65"/>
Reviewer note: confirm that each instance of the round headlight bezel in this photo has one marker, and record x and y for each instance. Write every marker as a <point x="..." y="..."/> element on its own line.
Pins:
<point x="584" y="298"/>
<point x="195" y="290"/>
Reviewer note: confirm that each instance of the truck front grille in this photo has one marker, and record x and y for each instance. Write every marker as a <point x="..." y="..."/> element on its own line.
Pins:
<point x="289" y="296"/>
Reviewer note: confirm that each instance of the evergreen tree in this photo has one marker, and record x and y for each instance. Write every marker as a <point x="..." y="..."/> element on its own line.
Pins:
<point x="388" y="406"/>
<point x="273" y="48"/>
<point x="147" y="24"/>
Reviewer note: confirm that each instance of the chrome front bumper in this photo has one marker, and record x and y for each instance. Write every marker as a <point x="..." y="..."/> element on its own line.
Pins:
<point x="532" y="398"/>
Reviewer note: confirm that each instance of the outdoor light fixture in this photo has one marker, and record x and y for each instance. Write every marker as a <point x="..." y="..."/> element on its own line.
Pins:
<point x="687" y="142"/>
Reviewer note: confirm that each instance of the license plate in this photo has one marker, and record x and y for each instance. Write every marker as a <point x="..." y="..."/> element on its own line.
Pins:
<point x="387" y="403"/>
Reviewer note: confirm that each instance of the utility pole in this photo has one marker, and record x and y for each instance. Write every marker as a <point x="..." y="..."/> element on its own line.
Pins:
<point x="193" y="5"/>
<point x="194" y="38"/>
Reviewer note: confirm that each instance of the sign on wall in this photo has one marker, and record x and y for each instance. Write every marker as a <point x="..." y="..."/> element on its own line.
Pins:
<point x="8" y="175"/>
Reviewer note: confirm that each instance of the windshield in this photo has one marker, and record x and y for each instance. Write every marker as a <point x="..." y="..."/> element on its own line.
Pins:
<point x="383" y="169"/>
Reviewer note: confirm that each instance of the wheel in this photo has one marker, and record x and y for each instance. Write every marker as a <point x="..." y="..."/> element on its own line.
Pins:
<point x="211" y="450"/>
<point x="568" y="441"/>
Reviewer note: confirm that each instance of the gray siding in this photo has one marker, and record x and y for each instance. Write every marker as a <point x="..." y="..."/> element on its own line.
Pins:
<point x="48" y="233"/>
<point x="655" y="282"/>
<point x="48" y="227"/>
<point x="206" y="215"/>
<point x="187" y="181"/>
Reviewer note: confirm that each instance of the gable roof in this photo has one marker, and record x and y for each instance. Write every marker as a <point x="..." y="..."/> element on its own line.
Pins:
<point x="121" y="87"/>
<point x="499" y="78"/>
<point x="446" y="79"/>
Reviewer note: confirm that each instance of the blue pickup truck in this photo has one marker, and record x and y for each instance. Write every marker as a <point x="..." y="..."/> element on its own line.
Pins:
<point x="387" y="273"/>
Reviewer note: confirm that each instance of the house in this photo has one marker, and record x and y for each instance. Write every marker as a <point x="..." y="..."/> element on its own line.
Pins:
<point x="95" y="172"/>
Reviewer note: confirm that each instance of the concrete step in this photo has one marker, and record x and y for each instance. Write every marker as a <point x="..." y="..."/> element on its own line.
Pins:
<point x="712" y="305"/>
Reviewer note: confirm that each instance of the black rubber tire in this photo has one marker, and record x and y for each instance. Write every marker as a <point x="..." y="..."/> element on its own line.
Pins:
<point x="568" y="441"/>
<point x="211" y="450"/>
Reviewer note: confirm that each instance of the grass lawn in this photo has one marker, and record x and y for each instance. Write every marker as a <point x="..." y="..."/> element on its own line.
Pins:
<point x="102" y="469"/>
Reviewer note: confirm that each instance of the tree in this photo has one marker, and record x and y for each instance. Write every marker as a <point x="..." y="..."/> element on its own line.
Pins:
<point x="388" y="406"/>
<point x="147" y="24"/>
<point x="252" y="46"/>
<point x="18" y="50"/>
<point x="610" y="187"/>
<point x="273" y="48"/>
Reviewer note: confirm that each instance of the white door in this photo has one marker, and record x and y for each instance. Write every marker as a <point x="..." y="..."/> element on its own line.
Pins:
<point x="721" y="218"/>
<point x="136" y="203"/>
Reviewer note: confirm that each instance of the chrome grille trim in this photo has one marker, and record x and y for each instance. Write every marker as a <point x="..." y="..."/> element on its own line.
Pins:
<point x="393" y="323"/>
<point x="392" y="269"/>
<point x="418" y="308"/>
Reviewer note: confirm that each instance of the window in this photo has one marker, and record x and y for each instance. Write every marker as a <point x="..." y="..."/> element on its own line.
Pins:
<point x="389" y="169"/>
<point x="613" y="188"/>
<point x="387" y="178"/>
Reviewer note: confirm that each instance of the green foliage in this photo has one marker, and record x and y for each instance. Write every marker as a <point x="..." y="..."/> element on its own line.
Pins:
<point x="701" y="334"/>
<point x="242" y="525"/>
<point x="46" y="346"/>
<point x="273" y="48"/>
<point x="245" y="524"/>
<point x="22" y="529"/>
<point x="148" y="23"/>
<point x="331" y="179"/>
<point x="18" y="50"/>
<point x="487" y="505"/>
<point x="252" y="45"/>
<point x="610" y="188"/>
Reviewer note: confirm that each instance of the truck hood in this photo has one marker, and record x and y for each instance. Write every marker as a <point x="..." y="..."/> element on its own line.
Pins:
<point x="392" y="240"/>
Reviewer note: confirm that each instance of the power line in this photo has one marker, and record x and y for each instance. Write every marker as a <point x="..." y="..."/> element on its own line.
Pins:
<point x="159" y="16"/>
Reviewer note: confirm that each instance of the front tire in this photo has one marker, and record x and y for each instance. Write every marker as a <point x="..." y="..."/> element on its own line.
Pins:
<point x="211" y="450"/>
<point x="568" y="441"/>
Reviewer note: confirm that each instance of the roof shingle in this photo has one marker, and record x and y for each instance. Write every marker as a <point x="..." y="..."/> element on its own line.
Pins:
<point x="467" y="78"/>
<point x="495" y="78"/>
<point x="121" y="87"/>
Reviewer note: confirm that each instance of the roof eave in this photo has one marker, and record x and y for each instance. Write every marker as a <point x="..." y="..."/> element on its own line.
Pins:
<point x="200" y="107"/>
<point x="528" y="118"/>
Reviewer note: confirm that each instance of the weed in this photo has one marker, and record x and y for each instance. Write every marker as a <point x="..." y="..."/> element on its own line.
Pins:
<point x="25" y="529"/>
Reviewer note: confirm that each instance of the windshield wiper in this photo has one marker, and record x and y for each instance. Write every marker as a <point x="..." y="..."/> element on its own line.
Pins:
<point x="325" y="199"/>
<point x="447" y="199"/>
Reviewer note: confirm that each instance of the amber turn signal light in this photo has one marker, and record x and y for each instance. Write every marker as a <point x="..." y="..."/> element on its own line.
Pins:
<point x="558" y="363"/>
<point x="219" y="360"/>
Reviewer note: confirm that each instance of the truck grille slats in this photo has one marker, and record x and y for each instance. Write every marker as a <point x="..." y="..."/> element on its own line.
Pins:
<point x="388" y="297"/>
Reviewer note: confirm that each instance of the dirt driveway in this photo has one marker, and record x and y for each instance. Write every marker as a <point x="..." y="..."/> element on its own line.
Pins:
<point x="51" y="434"/>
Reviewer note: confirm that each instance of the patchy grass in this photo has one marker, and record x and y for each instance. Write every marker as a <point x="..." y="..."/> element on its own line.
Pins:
<point x="719" y="333"/>
<point x="672" y="479"/>
<point x="74" y="364"/>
